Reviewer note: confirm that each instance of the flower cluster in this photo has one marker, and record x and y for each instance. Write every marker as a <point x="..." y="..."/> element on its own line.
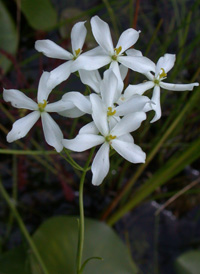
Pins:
<point x="115" y="112"/>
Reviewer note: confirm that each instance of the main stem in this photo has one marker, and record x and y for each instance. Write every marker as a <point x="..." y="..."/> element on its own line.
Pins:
<point x="81" y="224"/>
<point x="23" y="228"/>
<point x="81" y="209"/>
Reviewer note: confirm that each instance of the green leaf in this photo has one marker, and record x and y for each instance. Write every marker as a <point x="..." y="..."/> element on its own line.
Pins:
<point x="188" y="263"/>
<point x="8" y="37"/>
<point x="14" y="261"/>
<point x="39" y="13"/>
<point x="56" y="240"/>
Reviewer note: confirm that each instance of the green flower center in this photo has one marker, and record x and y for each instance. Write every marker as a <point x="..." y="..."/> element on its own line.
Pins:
<point x="117" y="51"/>
<point x="157" y="82"/>
<point x="162" y="75"/>
<point x="109" y="138"/>
<point x="41" y="106"/>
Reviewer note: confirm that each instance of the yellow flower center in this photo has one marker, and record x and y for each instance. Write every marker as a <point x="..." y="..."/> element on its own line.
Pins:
<point x="162" y="75"/>
<point x="109" y="138"/>
<point x="117" y="51"/>
<point x="110" y="112"/>
<point x="41" y="106"/>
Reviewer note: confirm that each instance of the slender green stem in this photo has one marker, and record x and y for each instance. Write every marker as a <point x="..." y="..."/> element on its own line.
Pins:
<point x="81" y="224"/>
<point x="23" y="228"/>
<point x="81" y="209"/>
<point x="27" y="152"/>
<point x="71" y="161"/>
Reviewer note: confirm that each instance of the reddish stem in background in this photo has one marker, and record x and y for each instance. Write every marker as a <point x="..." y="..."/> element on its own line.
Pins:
<point x="135" y="19"/>
<point x="20" y="77"/>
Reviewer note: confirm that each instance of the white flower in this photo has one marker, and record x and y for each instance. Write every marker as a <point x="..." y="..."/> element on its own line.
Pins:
<point x="80" y="102"/>
<point x="52" y="50"/>
<point x="106" y="53"/>
<point x="109" y="96"/>
<point x="163" y="65"/>
<point x="93" y="78"/>
<point x="118" y="138"/>
<point x="21" y="127"/>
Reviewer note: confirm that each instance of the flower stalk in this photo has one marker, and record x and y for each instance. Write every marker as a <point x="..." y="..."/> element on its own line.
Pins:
<point x="81" y="220"/>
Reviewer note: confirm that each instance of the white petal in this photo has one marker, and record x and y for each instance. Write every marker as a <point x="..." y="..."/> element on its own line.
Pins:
<point x="72" y="113"/>
<point x="101" y="165"/>
<point x="178" y="87"/>
<point x="18" y="99"/>
<point x="109" y="88"/>
<point x="150" y="76"/>
<point x="78" y="35"/>
<point x="59" y="74"/>
<point x="157" y="108"/>
<point x="166" y="62"/>
<point x="90" y="128"/>
<point x="123" y="71"/>
<point x="43" y="88"/>
<point x="95" y="51"/>
<point x="112" y="121"/>
<point x="127" y="39"/>
<point x="134" y="52"/>
<point x="138" y="63"/>
<point x="134" y="104"/>
<point x="83" y="142"/>
<point x="59" y="106"/>
<point x="148" y="106"/>
<point x="129" y="151"/>
<point x="99" y="114"/>
<point x="90" y="62"/>
<point x="22" y="126"/>
<point x="128" y="123"/>
<point x="102" y="35"/>
<point x="79" y="100"/>
<point x="116" y="69"/>
<point x="52" y="133"/>
<point x="91" y="78"/>
<point x="51" y="49"/>
<point x="137" y="89"/>
<point x="126" y="138"/>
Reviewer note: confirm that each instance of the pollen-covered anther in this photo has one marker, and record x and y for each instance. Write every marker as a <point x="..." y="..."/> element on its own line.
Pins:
<point x="110" y="112"/>
<point x="109" y="138"/>
<point x="162" y="74"/>
<point x="41" y="106"/>
<point x="77" y="52"/>
<point x="118" y="50"/>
